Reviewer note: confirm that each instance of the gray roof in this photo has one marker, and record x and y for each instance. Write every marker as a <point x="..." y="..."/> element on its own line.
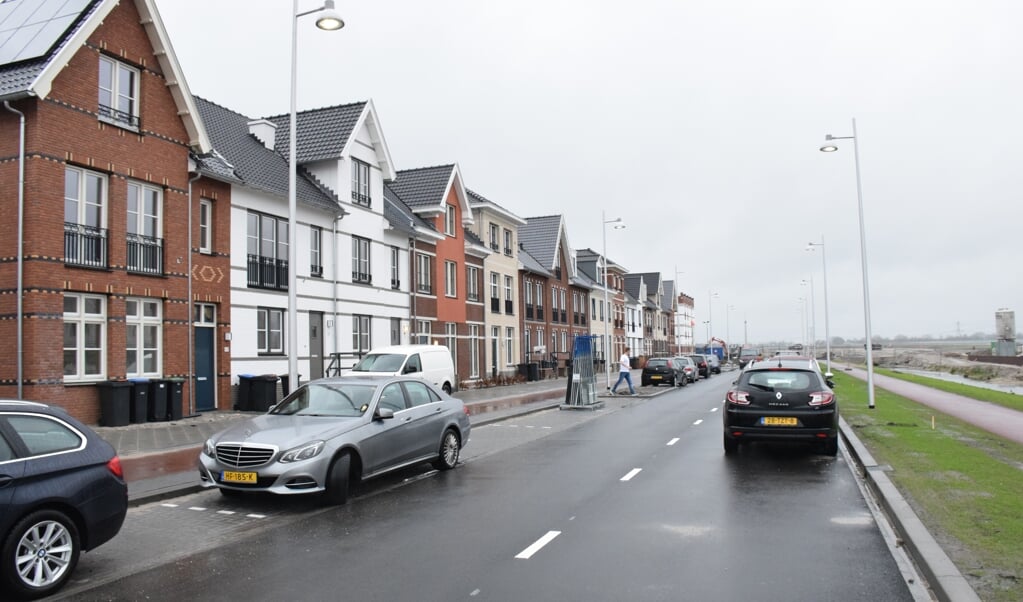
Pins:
<point x="399" y="215"/>
<point x="322" y="133"/>
<point x="530" y="264"/>
<point x="632" y="282"/>
<point x="255" y="164"/>
<point x="472" y="239"/>
<point x="540" y="236"/>
<point x="215" y="166"/>
<point x="477" y="200"/>
<point x="17" y="77"/>
<point x="423" y="187"/>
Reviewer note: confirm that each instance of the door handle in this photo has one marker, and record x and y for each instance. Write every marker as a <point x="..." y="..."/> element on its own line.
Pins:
<point x="5" y="479"/>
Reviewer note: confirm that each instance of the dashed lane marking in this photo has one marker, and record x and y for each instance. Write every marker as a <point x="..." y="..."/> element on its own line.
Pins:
<point x="697" y="423"/>
<point x="673" y="441"/>
<point x="538" y="545"/>
<point x="631" y="473"/>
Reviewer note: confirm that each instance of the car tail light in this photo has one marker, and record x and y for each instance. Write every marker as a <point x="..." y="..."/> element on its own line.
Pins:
<point x="466" y="410"/>
<point x="737" y="397"/>
<point x="822" y="398"/>
<point x="114" y="466"/>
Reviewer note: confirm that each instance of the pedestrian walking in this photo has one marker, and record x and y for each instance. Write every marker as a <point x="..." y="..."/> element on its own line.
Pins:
<point x="624" y="373"/>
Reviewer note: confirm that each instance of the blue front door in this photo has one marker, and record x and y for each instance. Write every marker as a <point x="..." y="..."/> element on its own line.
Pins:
<point x="205" y="391"/>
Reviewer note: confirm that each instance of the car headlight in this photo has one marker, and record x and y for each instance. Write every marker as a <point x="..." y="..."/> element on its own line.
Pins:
<point x="303" y="452"/>
<point x="209" y="448"/>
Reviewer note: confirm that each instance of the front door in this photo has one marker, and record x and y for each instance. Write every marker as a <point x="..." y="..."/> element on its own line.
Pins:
<point x="316" y="345"/>
<point x="204" y="327"/>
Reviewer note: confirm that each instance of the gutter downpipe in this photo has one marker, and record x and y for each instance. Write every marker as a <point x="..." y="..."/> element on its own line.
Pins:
<point x="21" y="245"/>
<point x="190" y="319"/>
<point x="413" y="334"/>
<point x="334" y="261"/>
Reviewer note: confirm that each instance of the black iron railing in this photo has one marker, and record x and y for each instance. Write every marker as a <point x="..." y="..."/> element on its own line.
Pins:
<point x="267" y="272"/>
<point x="85" y="245"/>
<point x="145" y="254"/>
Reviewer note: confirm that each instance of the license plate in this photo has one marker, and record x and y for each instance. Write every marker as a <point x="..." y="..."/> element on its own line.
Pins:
<point x="655" y="377"/>
<point x="779" y="421"/>
<point x="238" y="477"/>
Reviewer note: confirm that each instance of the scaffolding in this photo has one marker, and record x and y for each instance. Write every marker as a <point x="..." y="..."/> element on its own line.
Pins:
<point x="581" y="390"/>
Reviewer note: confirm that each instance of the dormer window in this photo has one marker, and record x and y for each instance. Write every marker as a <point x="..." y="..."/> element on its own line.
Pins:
<point x="360" y="183"/>
<point x="118" y="93"/>
<point x="449" y="220"/>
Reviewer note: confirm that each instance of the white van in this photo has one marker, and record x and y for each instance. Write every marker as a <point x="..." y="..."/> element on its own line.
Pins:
<point x="429" y="362"/>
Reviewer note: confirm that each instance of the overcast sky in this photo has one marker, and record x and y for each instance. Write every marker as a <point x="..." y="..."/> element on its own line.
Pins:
<point x="699" y="123"/>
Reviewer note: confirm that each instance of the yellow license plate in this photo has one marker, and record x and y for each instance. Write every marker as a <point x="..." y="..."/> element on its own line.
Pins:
<point x="655" y="377"/>
<point x="780" y="421"/>
<point x="238" y="477"/>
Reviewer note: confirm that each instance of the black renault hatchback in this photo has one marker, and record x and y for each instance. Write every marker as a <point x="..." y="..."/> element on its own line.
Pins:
<point x="783" y="400"/>
<point x="62" y="492"/>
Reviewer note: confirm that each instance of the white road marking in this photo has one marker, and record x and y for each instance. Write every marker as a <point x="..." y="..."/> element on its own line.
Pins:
<point x="632" y="473"/>
<point x="714" y="409"/>
<point x="198" y="508"/>
<point x="169" y="505"/>
<point x="228" y="512"/>
<point x="474" y="592"/>
<point x="697" y="423"/>
<point x="255" y="515"/>
<point x="537" y="545"/>
<point x="673" y="441"/>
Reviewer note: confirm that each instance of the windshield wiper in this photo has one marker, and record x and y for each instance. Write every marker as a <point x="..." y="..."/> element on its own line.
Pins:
<point x="763" y="387"/>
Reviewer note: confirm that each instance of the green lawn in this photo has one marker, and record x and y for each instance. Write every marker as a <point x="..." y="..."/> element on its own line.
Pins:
<point x="1000" y="397"/>
<point x="965" y="483"/>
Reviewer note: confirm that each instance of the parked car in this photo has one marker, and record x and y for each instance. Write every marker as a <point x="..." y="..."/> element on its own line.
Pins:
<point x="432" y="363"/>
<point x="659" y="370"/>
<point x="781" y="400"/>
<point x="713" y="363"/>
<point x="701" y="364"/>
<point x="332" y="433"/>
<point x="689" y="369"/>
<point x="749" y="354"/>
<point x="62" y="492"/>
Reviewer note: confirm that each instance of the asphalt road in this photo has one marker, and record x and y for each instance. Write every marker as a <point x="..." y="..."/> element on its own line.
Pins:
<point x="634" y="504"/>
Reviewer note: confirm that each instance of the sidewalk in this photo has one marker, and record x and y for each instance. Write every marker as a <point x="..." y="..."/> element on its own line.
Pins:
<point x="159" y="458"/>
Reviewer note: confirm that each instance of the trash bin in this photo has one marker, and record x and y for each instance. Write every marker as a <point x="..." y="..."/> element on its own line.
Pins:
<point x="139" y="404"/>
<point x="534" y="371"/>
<point x="114" y="398"/>
<point x="285" y="381"/>
<point x="244" y="400"/>
<point x="524" y="370"/>
<point x="174" y="394"/>
<point x="264" y="392"/>
<point x="157" y="403"/>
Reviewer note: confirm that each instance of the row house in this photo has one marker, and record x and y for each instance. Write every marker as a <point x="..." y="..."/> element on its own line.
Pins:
<point x="636" y="315"/>
<point x="549" y="278"/>
<point x="607" y="321"/>
<point x="656" y="317"/>
<point x="97" y="119"/>
<point x="498" y="229"/>
<point x="448" y="288"/>
<point x="685" y="322"/>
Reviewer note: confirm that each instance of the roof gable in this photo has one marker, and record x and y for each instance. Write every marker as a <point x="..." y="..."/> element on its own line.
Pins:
<point x="426" y="189"/>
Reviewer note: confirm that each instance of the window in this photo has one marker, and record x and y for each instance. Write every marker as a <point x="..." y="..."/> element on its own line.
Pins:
<point x="360" y="260"/>
<point x="508" y="242"/>
<point x="144" y="246"/>
<point x="396" y="331"/>
<point x="269" y="330"/>
<point x="85" y="234"/>
<point x="450" y="288"/>
<point x="525" y="342"/>
<point x="395" y="268"/>
<point x="451" y="332"/>
<point x="564" y="341"/>
<point x="494" y="233"/>
<point x="43" y="435"/>
<point x="85" y="333"/>
<point x="474" y="351"/>
<point x="143" y="329"/>
<point x="509" y="344"/>
<point x="205" y="226"/>
<point x="267" y="249"/>
<point x="360" y="183"/>
<point x="424" y="274"/>
<point x="495" y="290"/>
<point x="554" y="341"/>
<point x="472" y="283"/>
<point x="361" y="333"/>
<point x="392" y="398"/>
<point x="118" y="93"/>
<point x="419" y="394"/>
<point x="449" y="220"/>
<point x="315" y="254"/>
<point x="424" y="332"/>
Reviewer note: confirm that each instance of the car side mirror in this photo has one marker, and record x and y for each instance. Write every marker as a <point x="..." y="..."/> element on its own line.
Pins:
<point x="383" y="414"/>
<point x="830" y="382"/>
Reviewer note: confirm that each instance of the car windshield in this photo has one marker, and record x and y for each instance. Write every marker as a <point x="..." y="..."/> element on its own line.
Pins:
<point x="346" y="400"/>
<point x="380" y="362"/>
<point x="655" y="363"/>
<point x="771" y="380"/>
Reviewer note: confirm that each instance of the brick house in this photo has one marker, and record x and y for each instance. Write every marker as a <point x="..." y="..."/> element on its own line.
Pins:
<point x="97" y="119"/>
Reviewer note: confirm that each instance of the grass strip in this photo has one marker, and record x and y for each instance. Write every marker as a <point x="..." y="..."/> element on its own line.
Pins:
<point x="1001" y="398"/>
<point x="965" y="484"/>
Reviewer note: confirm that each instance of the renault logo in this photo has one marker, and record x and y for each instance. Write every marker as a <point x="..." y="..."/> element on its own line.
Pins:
<point x="777" y="395"/>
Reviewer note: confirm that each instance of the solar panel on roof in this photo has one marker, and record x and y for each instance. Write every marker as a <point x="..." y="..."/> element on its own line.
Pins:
<point x="30" y="28"/>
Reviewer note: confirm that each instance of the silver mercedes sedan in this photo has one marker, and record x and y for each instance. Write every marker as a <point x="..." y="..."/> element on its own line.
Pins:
<point x="334" y="432"/>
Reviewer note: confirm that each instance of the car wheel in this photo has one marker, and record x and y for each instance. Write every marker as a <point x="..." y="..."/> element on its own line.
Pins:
<point x="338" y="477"/>
<point x="40" y="554"/>
<point x="450" y="447"/>
<point x="831" y="447"/>
<point x="447" y="388"/>
<point x="731" y="445"/>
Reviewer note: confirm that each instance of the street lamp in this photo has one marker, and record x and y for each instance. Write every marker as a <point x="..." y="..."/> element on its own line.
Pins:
<point x="618" y="225"/>
<point x="328" y="21"/>
<point x="802" y="321"/>
<point x="813" y="316"/>
<point x="728" y="332"/>
<point x="830" y="147"/>
<point x="710" y="314"/>
<point x="707" y="324"/>
<point x="824" y="263"/>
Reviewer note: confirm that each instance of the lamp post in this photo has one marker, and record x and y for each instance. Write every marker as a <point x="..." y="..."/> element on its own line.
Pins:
<point x="707" y="324"/>
<point x="728" y="332"/>
<point x="830" y="147"/>
<point x="802" y="320"/>
<point x="328" y="21"/>
<point x="619" y="224"/>
<point x="813" y="316"/>
<point x="824" y="264"/>
<point x="711" y="295"/>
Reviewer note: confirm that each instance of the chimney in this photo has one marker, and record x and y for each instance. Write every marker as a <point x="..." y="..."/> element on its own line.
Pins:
<point x="264" y="131"/>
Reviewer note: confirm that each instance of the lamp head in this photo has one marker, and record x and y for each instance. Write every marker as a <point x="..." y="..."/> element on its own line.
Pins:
<point x="329" y="20"/>
<point x="829" y="146"/>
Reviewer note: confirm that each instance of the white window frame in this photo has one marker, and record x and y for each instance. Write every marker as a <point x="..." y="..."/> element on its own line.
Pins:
<point x="118" y="104"/>
<point x="87" y="320"/>
<point x="361" y="183"/>
<point x="474" y="351"/>
<point x="424" y="332"/>
<point x="509" y="248"/>
<point x="449" y="220"/>
<point x="395" y="268"/>
<point x="270" y="330"/>
<point x="144" y="205"/>
<point x="424" y="274"/>
<point x="509" y="345"/>
<point x="450" y="279"/>
<point x="495" y="286"/>
<point x="205" y="226"/>
<point x="495" y="230"/>
<point x="472" y="283"/>
<point x="316" y="251"/>
<point x="361" y="266"/>
<point x="509" y="289"/>
<point x="143" y="319"/>
<point x="362" y="331"/>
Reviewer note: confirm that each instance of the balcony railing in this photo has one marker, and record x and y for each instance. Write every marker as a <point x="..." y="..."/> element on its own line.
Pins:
<point x="564" y="317"/>
<point x="495" y="305"/>
<point x="507" y="251"/>
<point x="529" y="312"/>
<point x="145" y="254"/>
<point x="362" y="277"/>
<point x="509" y="307"/>
<point x="85" y="245"/>
<point x="316" y="271"/>
<point x="424" y="287"/>
<point x="361" y="199"/>
<point x="267" y="272"/>
<point x="119" y="117"/>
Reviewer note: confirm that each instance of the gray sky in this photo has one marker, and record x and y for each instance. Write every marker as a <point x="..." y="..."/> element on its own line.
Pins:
<point x="698" y="122"/>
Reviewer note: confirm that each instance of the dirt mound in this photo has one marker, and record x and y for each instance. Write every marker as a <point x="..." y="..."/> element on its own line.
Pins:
<point x="951" y="362"/>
